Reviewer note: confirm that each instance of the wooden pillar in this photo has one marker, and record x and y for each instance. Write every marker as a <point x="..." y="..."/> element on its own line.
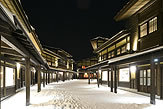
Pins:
<point x="38" y="78"/>
<point x="63" y="79"/>
<point x="89" y="78"/>
<point x="57" y="77"/>
<point x="130" y="77"/>
<point x="158" y="78"/>
<point x="111" y="79"/>
<point x="4" y="79"/>
<point x="48" y="77"/>
<point x="27" y="81"/>
<point x="108" y="79"/>
<point x="115" y="79"/>
<point x="98" y="83"/>
<point x="153" y="92"/>
<point x="161" y="84"/>
<point x="43" y="79"/>
<point x="16" y="79"/>
<point x="101" y="77"/>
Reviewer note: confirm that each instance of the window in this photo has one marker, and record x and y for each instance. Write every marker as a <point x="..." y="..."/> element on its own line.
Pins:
<point x="118" y="51"/>
<point x="124" y="75"/>
<point x="143" y="30"/>
<point x="112" y="55"/>
<point x="153" y="25"/>
<point x="123" y="49"/>
<point x="1" y="73"/>
<point x="10" y="78"/>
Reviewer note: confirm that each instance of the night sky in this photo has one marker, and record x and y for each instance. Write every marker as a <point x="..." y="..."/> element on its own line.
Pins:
<point x="71" y="24"/>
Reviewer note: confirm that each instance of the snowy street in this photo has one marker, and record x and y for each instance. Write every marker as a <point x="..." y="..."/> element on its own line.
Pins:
<point x="77" y="94"/>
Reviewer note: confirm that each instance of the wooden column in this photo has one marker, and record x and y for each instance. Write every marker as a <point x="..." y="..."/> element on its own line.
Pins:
<point x="130" y="77"/>
<point x="16" y="79"/>
<point x="46" y="77"/>
<point x="161" y="84"/>
<point x="153" y="91"/>
<point x="98" y="82"/>
<point x="111" y="79"/>
<point x="4" y="79"/>
<point x="89" y="78"/>
<point x="108" y="79"/>
<point x="43" y="79"/>
<point x="57" y="77"/>
<point x="158" y="75"/>
<point x="38" y="78"/>
<point x="63" y="79"/>
<point x="101" y="77"/>
<point x="27" y="80"/>
<point x="115" y="79"/>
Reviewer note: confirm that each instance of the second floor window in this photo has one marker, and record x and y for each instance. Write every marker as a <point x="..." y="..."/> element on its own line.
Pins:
<point x="153" y="25"/>
<point x="143" y="30"/>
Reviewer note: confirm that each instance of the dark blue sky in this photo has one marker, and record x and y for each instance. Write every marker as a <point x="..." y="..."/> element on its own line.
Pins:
<point x="70" y="24"/>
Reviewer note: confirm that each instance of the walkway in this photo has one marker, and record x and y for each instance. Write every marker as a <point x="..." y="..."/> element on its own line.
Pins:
<point x="77" y="94"/>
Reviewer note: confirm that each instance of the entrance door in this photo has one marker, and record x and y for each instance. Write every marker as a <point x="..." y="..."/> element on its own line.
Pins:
<point x="144" y="80"/>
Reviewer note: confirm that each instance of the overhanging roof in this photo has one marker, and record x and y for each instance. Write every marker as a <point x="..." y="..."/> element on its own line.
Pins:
<point x="130" y="8"/>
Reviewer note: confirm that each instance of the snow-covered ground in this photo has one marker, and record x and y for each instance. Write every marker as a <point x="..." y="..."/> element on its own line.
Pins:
<point x="77" y="94"/>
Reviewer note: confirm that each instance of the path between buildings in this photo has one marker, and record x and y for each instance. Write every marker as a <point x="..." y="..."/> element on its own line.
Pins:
<point x="77" y="94"/>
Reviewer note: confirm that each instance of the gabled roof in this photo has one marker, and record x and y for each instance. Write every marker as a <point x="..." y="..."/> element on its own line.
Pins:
<point x="131" y="8"/>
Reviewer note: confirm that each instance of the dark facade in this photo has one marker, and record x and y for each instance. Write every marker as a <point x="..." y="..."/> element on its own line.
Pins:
<point x="133" y="57"/>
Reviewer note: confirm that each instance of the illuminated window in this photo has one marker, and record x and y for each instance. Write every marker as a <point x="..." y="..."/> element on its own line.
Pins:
<point x="143" y="30"/>
<point x="1" y="76"/>
<point x="124" y="75"/>
<point x="104" y="75"/>
<point x="123" y="49"/>
<point x="109" y="55"/>
<point x="10" y="78"/>
<point x="118" y="51"/>
<point x="153" y="25"/>
<point x="112" y="55"/>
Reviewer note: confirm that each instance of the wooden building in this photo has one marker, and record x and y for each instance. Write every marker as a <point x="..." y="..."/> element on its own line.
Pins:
<point x="133" y="57"/>
<point x="23" y="61"/>
<point x="81" y="67"/>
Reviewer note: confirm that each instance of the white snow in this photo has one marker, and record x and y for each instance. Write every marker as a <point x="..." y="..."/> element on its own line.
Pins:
<point x="77" y="94"/>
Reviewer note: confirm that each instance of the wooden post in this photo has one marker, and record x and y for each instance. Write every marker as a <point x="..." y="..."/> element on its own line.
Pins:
<point x="0" y="74"/>
<point x="108" y="78"/>
<point x="63" y="79"/>
<point x="152" y="93"/>
<point x="16" y="80"/>
<point x="48" y="77"/>
<point x="115" y="79"/>
<point x="57" y="77"/>
<point x="43" y="79"/>
<point x="101" y="77"/>
<point x="161" y="84"/>
<point x="89" y="78"/>
<point x="27" y="81"/>
<point x="4" y="79"/>
<point x="98" y="82"/>
<point x="38" y="78"/>
<point x="111" y="79"/>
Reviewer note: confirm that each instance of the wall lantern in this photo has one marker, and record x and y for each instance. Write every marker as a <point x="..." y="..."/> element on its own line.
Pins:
<point x="155" y="60"/>
<point x="133" y="72"/>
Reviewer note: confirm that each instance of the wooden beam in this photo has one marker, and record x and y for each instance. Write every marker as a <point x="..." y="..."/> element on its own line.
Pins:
<point x="44" y="79"/>
<point x="98" y="82"/>
<point x="4" y="79"/>
<point x="27" y="81"/>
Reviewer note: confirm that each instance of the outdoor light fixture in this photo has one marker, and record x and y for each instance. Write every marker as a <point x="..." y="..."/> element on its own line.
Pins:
<point x="133" y="68"/>
<point x="23" y="59"/>
<point x="155" y="60"/>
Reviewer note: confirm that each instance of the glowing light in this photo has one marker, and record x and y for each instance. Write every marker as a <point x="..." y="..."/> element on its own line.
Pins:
<point x="155" y="60"/>
<point x="23" y="59"/>
<point x="133" y="68"/>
